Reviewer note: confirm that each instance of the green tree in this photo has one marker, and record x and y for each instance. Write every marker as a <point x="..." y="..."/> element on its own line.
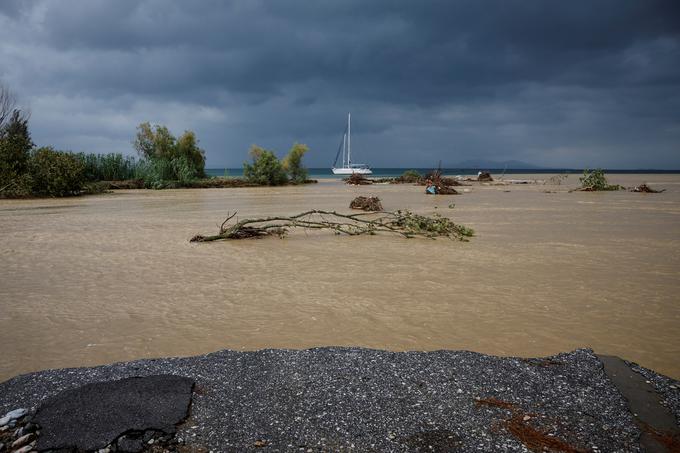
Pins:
<point x="15" y="147"/>
<point x="265" y="170"/>
<point x="154" y="142"/>
<point x="595" y="180"/>
<point x="56" y="173"/>
<point x="168" y="158"/>
<point x="292" y="163"/>
<point x="187" y="146"/>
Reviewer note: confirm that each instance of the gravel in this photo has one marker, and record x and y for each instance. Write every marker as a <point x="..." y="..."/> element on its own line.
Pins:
<point x="357" y="399"/>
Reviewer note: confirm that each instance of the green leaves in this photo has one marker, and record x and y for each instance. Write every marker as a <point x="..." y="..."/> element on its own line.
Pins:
<point x="595" y="181"/>
<point x="266" y="169"/>
<point x="15" y="147"/>
<point x="55" y="173"/>
<point x="292" y="163"/>
<point x="168" y="158"/>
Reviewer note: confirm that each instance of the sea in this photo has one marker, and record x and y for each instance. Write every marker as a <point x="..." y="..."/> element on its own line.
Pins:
<point x="392" y="172"/>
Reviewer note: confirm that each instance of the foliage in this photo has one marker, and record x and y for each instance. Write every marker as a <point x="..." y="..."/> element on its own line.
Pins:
<point x="55" y="173"/>
<point x="431" y="226"/>
<point x="15" y="147"/>
<point x="154" y="142"/>
<point x="187" y="148"/>
<point x="402" y="223"/>
<point x="167" y="158"/>
<point x="595" y="180"/>
<point x="292" y="163"/>
<point x="357" y="179"/>
<point x="97" y="187"/>
<point x="155" y="173"/>
<point x="108" y="167"/>
<point x="266" y="169"/>
<point x="410" y="176"/>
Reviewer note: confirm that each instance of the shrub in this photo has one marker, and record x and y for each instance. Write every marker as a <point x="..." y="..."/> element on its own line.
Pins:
<point x="97" y="187"/>
<point x="409" y="176"/>
<point x="266" y="169"/>
<point x="187" y="148"/>
<point x="15" y="147"/>
<point x="292" y="163"/>
<point x="55" y="173"/>
<point x="184" y="169"/>
<point x="108" y="167"/>
<point x="168" y="158"/>
<point x="595" y="180"/>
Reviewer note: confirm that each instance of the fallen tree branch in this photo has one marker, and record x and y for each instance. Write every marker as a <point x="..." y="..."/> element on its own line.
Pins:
<point x="402" y="223"/>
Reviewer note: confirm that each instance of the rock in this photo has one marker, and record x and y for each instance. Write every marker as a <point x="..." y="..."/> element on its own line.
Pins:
<point x="130" y="444"/>
<point x="148" y="435"/>
<point x="2" y="447"/>
<point x="484" y="176"/>
<point x="25" y="449"/>
<point x="28" y="428"/>
<point x="109" y="409"/>
<point x="12" y="416"/>
<point x="23" y="440"/>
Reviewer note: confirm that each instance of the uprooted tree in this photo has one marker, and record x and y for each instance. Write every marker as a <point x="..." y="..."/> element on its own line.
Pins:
<point x="595" y="181"/>
<point x="401" y="223"/>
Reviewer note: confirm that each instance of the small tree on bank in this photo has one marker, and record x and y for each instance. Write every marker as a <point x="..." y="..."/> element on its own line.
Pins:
<point x="595" y="180"/>
<point x="266" y="169"/>
<point x="168" y="158"/>
<point x="292" y="163"/>
<point x="15" y="147"/>
<point x="56" y="173"/>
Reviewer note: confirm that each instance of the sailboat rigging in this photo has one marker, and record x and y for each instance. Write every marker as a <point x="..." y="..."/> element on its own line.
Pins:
<point x="345" y="148"/>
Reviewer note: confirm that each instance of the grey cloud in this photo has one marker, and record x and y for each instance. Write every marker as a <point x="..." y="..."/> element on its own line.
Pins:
<point x="558" y="83"/>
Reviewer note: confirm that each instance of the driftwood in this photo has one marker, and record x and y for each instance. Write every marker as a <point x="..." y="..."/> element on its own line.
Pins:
<point x="366" y="204"/>
<point x="441" y="184"/>
<point x="401" y="223"/>
<point x="446" y="190"/>
<point x="357" y="179"/>
<point x="645" y="189"/>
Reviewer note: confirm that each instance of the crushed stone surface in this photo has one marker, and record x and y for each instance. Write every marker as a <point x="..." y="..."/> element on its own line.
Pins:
<point x="355" y="399"/>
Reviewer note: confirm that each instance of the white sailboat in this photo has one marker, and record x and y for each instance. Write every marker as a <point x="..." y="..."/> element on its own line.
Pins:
<point x="345" y="148"/>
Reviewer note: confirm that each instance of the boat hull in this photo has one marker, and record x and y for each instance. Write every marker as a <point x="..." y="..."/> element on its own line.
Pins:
<point x="351" y="171"/>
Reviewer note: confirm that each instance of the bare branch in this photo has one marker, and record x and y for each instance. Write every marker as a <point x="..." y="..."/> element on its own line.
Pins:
<point x="402" y="223"/>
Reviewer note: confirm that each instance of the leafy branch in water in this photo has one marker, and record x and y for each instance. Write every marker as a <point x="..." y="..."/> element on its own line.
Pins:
<point x="594" y="180"/>
<point x="402" y="223"/>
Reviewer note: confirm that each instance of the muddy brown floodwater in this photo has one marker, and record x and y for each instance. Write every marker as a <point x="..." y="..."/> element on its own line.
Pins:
<point x="96" y="279"/>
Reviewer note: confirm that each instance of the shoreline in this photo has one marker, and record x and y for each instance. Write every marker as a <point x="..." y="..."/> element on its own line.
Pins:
<point x="336" y="398"/>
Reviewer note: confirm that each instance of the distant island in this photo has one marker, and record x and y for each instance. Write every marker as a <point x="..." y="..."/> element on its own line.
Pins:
<point x="488" y="164"/>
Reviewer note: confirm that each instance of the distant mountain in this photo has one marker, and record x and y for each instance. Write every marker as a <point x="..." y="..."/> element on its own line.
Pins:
<point x="484" y="164"/>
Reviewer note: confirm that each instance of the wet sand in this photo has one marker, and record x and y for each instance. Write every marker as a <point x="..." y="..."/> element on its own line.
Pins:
<point x="97" y="279"/>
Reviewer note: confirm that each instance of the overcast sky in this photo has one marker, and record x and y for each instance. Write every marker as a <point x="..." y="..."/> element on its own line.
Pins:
<point x="575" y="84"/>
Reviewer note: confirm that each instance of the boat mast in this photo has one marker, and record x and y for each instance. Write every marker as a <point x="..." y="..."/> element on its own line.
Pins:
<point x="349" y="140"/>
<point x="344" y="148"/>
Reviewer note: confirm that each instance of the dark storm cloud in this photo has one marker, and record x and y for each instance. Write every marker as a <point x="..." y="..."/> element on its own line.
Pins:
<point x="569" y="83"/>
